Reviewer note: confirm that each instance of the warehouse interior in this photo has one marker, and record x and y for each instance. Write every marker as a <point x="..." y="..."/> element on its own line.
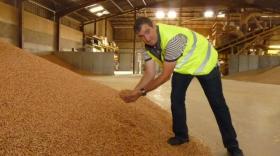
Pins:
<point x="63" y="63"/>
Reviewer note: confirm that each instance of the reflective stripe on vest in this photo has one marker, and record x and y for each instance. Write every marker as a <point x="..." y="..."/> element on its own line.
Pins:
<point x="190" y="53"/>
<point x="205" y="61"/>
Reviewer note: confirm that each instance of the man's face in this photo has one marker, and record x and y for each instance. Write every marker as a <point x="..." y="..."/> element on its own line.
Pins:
<point x="148" y="34"/>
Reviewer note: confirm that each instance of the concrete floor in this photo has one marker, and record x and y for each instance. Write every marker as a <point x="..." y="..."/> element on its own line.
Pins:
<point x="255" y="110"/>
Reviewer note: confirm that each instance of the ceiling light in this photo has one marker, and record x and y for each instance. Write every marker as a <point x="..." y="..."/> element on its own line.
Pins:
<point x="171" y="14"/>
<point x="160" y="14"/>
<point x="105" y="12"/>
<point x="208" y="13"/>
<point x="273" y="52"/>
<point x="274" y="46"/>
<point x="221" y="15"/>
<point x="99" y="14"/>
<point x="266" y="16"/>
<point x="96" y="9"/>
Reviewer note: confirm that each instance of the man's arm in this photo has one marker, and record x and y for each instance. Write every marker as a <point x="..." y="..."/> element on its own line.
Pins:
<point x="168" y="68"/>
<point x="148" y="76"/>
<point x="174" y="50"/>
<point x="133" y="95"/>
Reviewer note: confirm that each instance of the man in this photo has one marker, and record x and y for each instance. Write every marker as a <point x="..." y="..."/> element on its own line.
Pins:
<point x="184" y="54"/>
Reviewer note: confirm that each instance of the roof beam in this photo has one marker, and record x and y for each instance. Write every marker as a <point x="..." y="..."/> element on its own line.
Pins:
<point x="125" y="12"/>
<point x="92" y="21"/>
<point x="128" y="1"/>
<point x="144" y="2"/>
<point x="116" y="5"/>
<point x="40" y="5"/>
<point x="85" y="18"/>
<point x="69" y="10"/>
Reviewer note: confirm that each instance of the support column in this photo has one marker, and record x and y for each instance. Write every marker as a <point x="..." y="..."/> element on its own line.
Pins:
<point x="134" y="45"/>
<point x="180" y="14"/>
<point x="82" y="29"/>
<point x="106" y="27"/>
<point x="57" y="33"/>
<point x="20" y="7"/>
<point x="94" y="30"/>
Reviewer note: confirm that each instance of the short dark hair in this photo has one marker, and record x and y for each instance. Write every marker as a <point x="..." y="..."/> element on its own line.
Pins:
<point x="140" y="21"/>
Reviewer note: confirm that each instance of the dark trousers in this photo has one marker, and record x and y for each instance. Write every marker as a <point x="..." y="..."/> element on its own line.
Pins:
<point x="212" y="87"/>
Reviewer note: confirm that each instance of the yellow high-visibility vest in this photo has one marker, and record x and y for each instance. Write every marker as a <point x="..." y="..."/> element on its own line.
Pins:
<point x="199" y="56"/>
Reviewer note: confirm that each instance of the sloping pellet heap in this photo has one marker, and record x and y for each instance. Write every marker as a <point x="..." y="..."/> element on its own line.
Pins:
<point x="48" y="110"/>
<point x="270" y="75"/>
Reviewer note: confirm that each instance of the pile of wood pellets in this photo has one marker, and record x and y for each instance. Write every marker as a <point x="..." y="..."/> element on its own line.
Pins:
<point x="49" y="110"/>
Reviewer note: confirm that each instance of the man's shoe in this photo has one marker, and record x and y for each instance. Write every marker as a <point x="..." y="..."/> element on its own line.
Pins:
<point x="235" y="151"/>
<point x="177" y="141"/>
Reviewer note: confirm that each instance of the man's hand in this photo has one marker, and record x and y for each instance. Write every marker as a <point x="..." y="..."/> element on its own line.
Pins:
<point x="129" y="95"/>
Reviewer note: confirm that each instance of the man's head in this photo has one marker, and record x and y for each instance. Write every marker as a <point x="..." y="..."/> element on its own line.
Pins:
<point x="146" y="30"/>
